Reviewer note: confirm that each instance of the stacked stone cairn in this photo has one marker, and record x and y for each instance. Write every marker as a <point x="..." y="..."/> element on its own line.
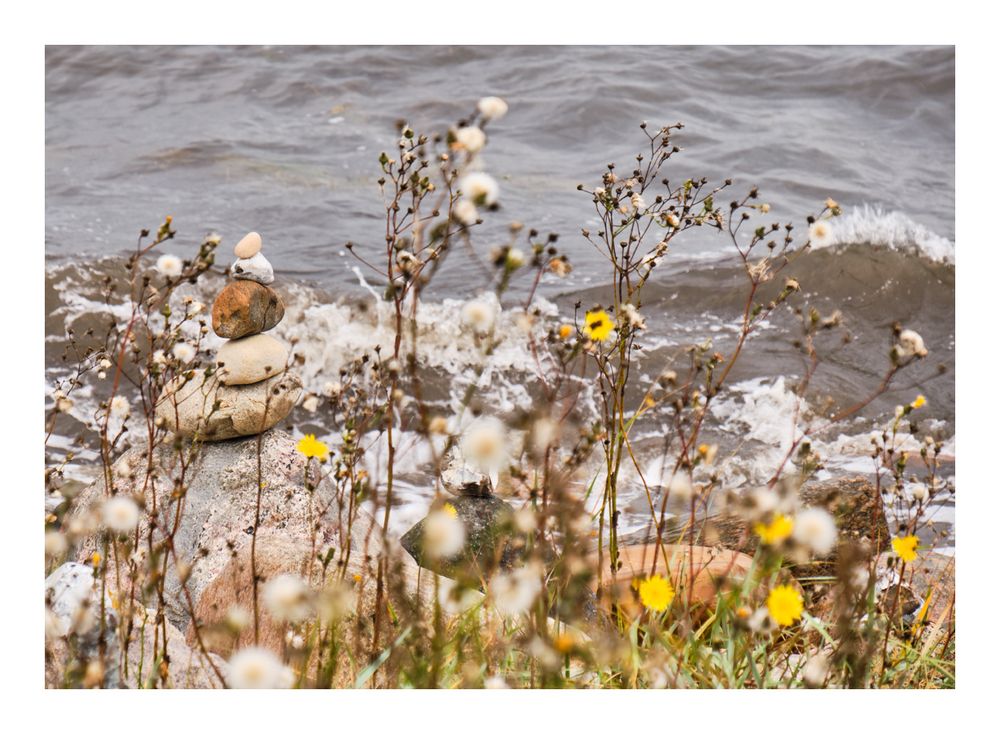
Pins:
<point x="249" y="390"/>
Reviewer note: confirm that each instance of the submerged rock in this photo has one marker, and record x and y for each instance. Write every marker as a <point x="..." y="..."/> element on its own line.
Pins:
<point x="205" y="408"/>
<point x="487" y="522"/>
<point x="245" y="307"/>
<point x="854" y="503"/>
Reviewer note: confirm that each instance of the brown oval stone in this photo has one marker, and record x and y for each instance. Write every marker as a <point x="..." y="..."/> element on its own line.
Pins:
<point x="245" y="308"/>
<point x="696" y="573"/>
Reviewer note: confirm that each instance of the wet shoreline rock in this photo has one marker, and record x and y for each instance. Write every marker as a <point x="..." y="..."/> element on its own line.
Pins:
<point x="854" y="503"/>
<point x="487" y="522"/>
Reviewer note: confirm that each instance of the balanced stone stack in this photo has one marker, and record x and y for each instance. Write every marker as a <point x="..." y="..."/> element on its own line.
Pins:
<point x="250" y="389"/>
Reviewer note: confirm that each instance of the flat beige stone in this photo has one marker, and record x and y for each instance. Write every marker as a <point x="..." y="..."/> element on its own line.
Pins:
<point x="248" y="246"/>
<point x="250" y="359"/>
<point x="186" y="406"/>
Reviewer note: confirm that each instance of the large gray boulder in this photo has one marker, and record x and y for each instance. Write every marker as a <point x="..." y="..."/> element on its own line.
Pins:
<point x="217" y="507"/>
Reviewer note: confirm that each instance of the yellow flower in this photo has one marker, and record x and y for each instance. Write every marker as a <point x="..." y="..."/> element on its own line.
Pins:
<point x="565" y="331"/>
<point x="920" y="402"/>
<point x="95" y="559"/>
<point x="309" y="447"/>
<point x="708" y="452"/>
<point x="656" y="593"/>
<point x="450" y="509"/>
<point x="784" y="604"/>
<point x="779" y="529"/>
<point x="906" y="548"/>
<point x="598" y="325"/>
<point x="563" y="643"/>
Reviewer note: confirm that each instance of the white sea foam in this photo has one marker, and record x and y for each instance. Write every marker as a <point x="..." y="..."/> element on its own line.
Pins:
<point x="872" y="225"/>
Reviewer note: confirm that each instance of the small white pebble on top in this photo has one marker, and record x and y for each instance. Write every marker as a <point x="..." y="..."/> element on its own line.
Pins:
<point x="256" y="268"/>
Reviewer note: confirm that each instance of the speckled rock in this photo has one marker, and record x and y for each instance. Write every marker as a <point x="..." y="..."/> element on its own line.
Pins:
<point x="218" y="516"/>
<point x="250" y="359"/>
<point x="189" y="407"/>
<point x="487" y="522"/>
<point x="248" y="246"/>
<point x="244" y="308"/>
<point x="188" y="668"/>
<point x="256" y="268"/>
<point x="409" y="589"/>
<point x="73" y="610"/>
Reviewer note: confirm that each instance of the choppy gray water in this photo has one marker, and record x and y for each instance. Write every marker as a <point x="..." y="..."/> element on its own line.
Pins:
<point x="285" y="141"/>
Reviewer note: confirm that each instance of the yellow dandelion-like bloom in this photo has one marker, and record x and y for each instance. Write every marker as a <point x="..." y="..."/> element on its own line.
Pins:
<point x="784" y="604"/>
<point x="565" y="331"/>
<point x="906" y="548"/>
<point x="450" y="509"/>
<point x="920" y="402"/>
<point x="564" y="643"/>
<point x="311" y="448"/>
<point x="776" y="531"/>
<point x="598" y="325"/>
<point x="656" y="593"/>
<point x="95" y="558"/>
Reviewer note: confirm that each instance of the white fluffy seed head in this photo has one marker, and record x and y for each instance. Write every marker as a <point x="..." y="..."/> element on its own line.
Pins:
<point x="119" y="407"/>
<point x="336" y="602"/>
<point x="514" y="593"/>
<point x="465" y="212"/>
<point x="56" y="544"/>
<point x="481" y="188"/>
<point x="479" y="315"/>
<point x="287" y="598"/>
<point x="635" y="319"/>
<point x="238" y="618"/>
<point x="470" y="138"/>
<point x="492" y="108"/>
<point x="820" y="233"/>
<point x="256" y="667"/>
<point x="183" y="352"/>
<point x="444" y="534"/>
<point x="120" y="514"/>
<point x="169" y="265"/>
<point x="911" y="344"/>
<point x="815" y="529"/>
<point x="544" y="434"/>
<point x="484" y="444"/>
